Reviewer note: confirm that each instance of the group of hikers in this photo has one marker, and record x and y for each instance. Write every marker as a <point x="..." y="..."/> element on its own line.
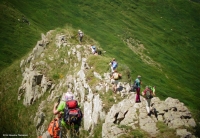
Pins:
<point x="67" y="109"/>
<point x="148" y="92"/>
<point x="115" y="76"/>
<point x="93" y="47"/>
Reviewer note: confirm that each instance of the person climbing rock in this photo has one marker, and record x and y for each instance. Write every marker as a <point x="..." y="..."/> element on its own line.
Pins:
<point x="115" y="76"/>
<point x="138" y="83"/>
<point x="68" y="111"/>
<point x="58" y="108"/>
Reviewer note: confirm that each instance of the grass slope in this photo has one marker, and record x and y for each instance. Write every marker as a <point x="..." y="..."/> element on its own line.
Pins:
<point x="169" y="30"/>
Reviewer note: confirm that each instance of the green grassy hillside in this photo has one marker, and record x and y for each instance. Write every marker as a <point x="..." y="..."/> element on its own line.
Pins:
<point x="169" y="31"/>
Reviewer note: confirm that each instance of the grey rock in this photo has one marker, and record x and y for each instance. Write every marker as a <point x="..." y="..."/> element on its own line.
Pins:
<point x="183" y="133"/>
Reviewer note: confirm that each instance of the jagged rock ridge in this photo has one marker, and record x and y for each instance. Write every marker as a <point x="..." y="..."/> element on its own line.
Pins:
<point x="35" y="83"/>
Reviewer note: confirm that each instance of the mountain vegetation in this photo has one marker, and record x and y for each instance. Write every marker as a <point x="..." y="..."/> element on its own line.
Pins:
<point x="157" y="39"/>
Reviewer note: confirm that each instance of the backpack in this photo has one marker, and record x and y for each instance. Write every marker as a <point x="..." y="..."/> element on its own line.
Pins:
<point x="81" y="34"/>
<point x="148" y="94"/>
<point x="135" y="85"/>
<point x="54" y="128"/>
<point x="72" y="104"/>
<point x="114" y="64"/>
<point x="72" y="114"/>
<point x="116" y="76"/>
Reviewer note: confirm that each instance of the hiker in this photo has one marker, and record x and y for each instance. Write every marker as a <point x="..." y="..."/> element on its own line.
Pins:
<point x="93" y="48"/>
<point x="53" y="130"/>
<point x="113" y="65"/>
<point x="54" y="127"/>
<point x="80" y="35"/>
<point x="68" y="108"/>
<point x="148" y="94"/>
<point x="59" y="107"/>
<point x="115" y="76"/>
<point x="137" y="86"/>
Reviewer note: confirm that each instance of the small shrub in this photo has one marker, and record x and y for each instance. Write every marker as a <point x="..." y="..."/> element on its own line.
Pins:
<point x="165" y="131"/>
<point x="56" y="76"/>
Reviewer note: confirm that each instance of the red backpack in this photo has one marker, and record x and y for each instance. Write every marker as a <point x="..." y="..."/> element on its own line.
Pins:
<point x="72" y="114"/>
<point x="71" y="104"/>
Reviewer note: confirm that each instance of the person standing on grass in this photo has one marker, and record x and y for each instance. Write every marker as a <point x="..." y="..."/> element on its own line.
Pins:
<point x="138" y="83"/>
<point x="115" y="76"/>
<point x="80" y="35"/>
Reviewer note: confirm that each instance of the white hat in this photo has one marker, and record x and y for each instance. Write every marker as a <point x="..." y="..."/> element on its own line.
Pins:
<point x="138" y="76"/>
<point x="79" y="30"/>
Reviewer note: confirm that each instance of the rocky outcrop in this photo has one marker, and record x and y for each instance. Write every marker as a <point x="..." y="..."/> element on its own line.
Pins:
<point x="33" y="86"/>
<point x="128" y="113"/>
<point x="34" y="83"/>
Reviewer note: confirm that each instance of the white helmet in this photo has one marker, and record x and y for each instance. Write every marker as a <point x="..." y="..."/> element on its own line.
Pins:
<point x="69" y="96"/>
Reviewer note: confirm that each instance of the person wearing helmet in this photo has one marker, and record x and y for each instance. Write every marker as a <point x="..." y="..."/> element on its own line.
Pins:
<point x="59" y="107"/>
<point x="63" y="110"/>
<point x="69" y="96"/>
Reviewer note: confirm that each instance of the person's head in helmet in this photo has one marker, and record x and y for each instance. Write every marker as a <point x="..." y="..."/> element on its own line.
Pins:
<point x="69" y="95"/>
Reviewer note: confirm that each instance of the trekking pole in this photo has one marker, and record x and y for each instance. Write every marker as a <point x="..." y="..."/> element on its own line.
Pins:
<point x="59" y="98"/>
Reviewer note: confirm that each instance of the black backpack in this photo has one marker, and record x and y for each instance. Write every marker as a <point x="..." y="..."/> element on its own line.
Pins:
<point x="135" y="85"/>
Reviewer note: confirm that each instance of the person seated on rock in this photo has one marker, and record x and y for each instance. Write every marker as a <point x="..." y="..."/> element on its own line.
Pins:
<point x="148" y="95"/>
<point x="115" y="76"/>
